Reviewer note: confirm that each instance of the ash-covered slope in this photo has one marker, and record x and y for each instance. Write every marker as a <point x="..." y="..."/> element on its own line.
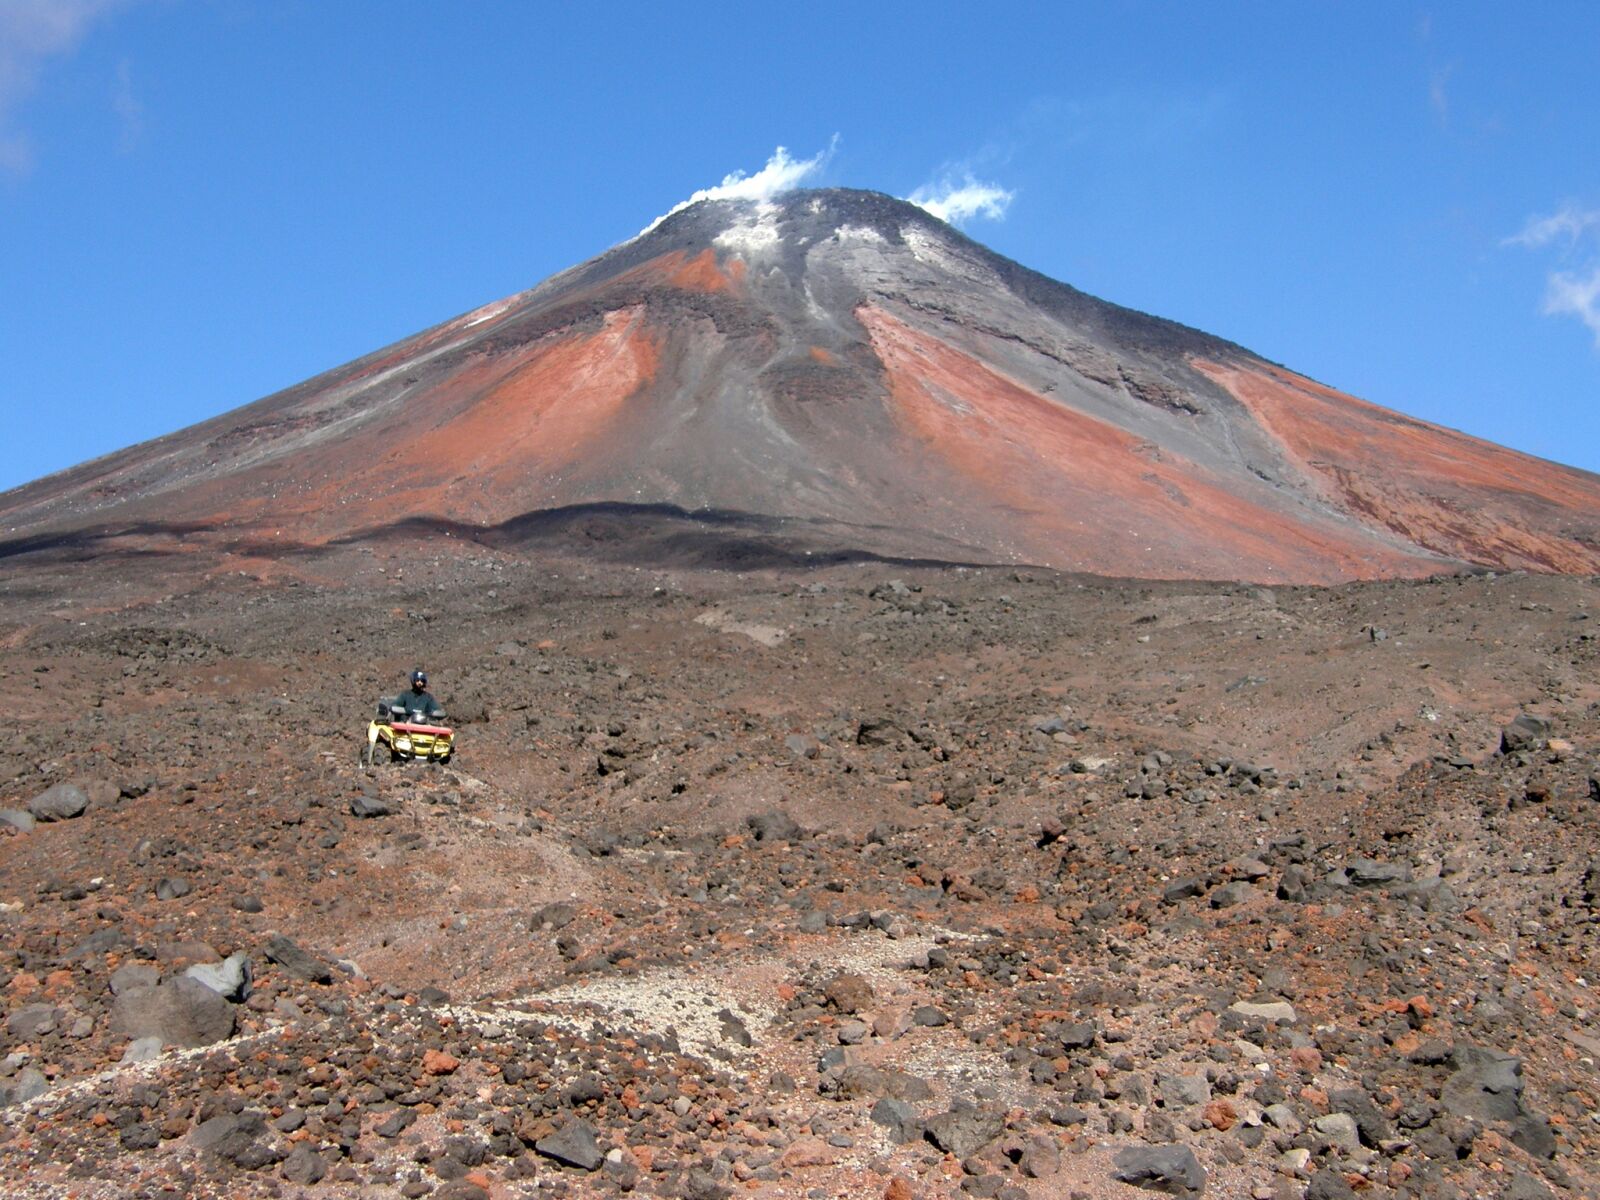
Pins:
<point x="840" y="369"/>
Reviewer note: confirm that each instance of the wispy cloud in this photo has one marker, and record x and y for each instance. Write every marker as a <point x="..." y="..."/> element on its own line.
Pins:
<point x="1439" y="92"/>
<point x="959" y="200"/>
<point x="31" y="33"/>
<point x="1439" y="74"/>
<point x="781" y="174"/>
<point x="1567" y="224"/>
<point x="1574" y="291"/>
<point x="130" y="113"/>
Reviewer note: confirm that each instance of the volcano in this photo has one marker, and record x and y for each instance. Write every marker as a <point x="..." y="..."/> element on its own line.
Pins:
<point x="833" y="372"/>
<point x="890" y="876"/>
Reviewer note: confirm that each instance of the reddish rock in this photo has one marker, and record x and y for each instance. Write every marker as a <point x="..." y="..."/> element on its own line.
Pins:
<point x="1306" y="1058"/>
<point x="437" y="1062"/>
<point x="809" y="1152"/>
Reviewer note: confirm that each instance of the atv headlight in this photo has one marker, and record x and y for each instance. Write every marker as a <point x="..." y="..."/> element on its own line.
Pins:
<point x="402" y="743"/>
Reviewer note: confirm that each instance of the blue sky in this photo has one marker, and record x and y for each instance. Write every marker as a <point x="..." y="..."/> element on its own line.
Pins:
<point x="203" y="201"/>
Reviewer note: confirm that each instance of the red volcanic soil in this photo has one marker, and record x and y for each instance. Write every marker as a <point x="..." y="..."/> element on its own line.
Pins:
<point x="546" y="415"/>
<point x="700" y="273"/>
<point x="1117" y="504"/>
<point x="1441" y="489"/>
<point x="482" y="448"/>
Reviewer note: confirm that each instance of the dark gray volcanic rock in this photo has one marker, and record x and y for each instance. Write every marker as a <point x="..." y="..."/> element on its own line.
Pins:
<point x="181" y="1012"/>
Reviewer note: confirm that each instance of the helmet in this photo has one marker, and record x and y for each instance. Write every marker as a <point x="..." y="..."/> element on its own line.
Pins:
<point x="419" y="678"/>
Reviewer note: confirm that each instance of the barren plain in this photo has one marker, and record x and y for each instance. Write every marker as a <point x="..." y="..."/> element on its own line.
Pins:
<point x="868" y="878"/>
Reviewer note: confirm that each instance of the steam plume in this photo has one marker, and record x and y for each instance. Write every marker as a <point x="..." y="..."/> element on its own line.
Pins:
<point x="958" y="202"/>
<point x="781" y="174"/>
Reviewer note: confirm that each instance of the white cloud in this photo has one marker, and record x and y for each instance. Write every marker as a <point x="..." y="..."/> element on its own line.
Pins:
<point x="1575" y="296"/>
<point x="1568" y="224"/>
<point x="956" y="202"/>
<point x="781" y="174"/>
<point x="1575" y="233"/>
<point x="32" y="31"/>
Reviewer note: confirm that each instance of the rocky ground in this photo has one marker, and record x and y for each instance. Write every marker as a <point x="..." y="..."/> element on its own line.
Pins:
<point x="860" y="881"/>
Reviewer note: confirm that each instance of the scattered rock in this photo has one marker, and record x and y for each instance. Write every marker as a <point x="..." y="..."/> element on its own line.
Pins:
<point x="551" y="917"/>
<point x="1280" y="1011"/>
<point x="1527" y="732"/>
<point x="773" y="827"/>
<point x="304" y="1165"/>
<point x="877" y="731"/>
<point x="1338" y="1130"/>
<point x="1183" y="889"/>
<point x="964" y="1131"/>
<point x="173" y="888"/>
<point x="231" y="977"/>
<point x="848" y="993"/>
<point x="573" y="1145"/>
<point x="734" y="1031"/>
<point x="1486" y="1085"/>
<point x="181" y="1012"/>
<point x="21" y="821"/>
<point x="802" y="746"/>
<point x="863" y="1079"/>
<point x="288" y="955"/>
<point x="1170" y="1168"/>
<point x="438" y="1062"/>
<point x="28" y="1084"/>
<point x="33" y="1021"/>
<point x="1183" y="1091"/>
<point x="898" y="1119"/>
<point x="1230" y="894"/>
<point x="145" y="1049"/>
<point x="59" y="803"/>
<point x="132" y="975"/>
<point x="1368" y="873"/>
<point x="1329" y="1184"/>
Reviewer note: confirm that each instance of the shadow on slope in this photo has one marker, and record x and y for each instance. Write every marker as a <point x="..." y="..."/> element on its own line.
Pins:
<point x="665" y="535"/>
<point x="142" y="539"/>
<point x="652" y="535"/>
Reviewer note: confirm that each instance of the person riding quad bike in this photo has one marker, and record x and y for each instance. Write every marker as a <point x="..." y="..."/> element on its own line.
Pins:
<point x="418" y="703"/>
<point x="409" y="727"/>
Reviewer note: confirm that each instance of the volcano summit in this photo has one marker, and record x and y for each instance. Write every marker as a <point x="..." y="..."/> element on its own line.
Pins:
<point x="834" y="372"/>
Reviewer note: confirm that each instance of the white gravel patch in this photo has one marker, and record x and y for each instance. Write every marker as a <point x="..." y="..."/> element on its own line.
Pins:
<point x="765" y="635"/>
<point x="668" y="1000"/>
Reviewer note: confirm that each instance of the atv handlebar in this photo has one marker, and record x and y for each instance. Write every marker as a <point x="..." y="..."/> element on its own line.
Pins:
<point x="400" y="712"/>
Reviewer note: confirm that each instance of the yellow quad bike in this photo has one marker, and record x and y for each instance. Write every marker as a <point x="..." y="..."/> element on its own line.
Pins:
<point x="392" y="737"/>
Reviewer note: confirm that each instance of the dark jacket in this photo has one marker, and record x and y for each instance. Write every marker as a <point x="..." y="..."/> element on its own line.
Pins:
<point x="418" y="705"/>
